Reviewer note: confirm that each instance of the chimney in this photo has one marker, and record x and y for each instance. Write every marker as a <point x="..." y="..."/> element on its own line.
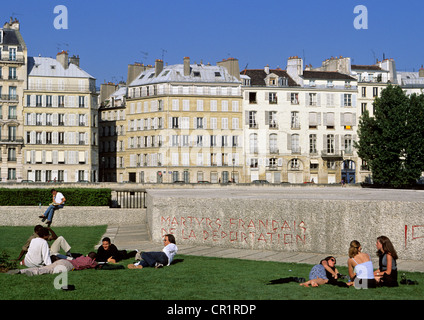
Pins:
<point x="266" y="69"/>
<point x="158" y="67"/>
<point x="421" y="72"/>
<point x="62" y="58"/>
<point x="134" y="71"/>
<point x="75" y="60"/>
<point x="295" y="69"/>
<point x="187" y="69"/>
<point x="106" y="89"/>
<point x="232" y="65"/>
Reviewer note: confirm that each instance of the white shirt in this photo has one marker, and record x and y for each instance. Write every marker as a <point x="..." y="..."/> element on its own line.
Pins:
<point x="170" y="250"/>
<point x="59" y="197"/>
<point x="38" y="253"/>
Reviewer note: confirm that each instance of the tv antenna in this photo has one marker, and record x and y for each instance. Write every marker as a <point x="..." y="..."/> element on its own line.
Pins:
<point x="144" y="56"/>
<point x="163" y="53"/>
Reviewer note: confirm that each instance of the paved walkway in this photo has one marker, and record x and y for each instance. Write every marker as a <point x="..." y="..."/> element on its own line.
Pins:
<point x="136" y="236"/>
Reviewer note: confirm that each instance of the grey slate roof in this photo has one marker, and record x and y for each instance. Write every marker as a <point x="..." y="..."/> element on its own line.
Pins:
<point x="175" y="73"/>
<point x="49" y="67"/>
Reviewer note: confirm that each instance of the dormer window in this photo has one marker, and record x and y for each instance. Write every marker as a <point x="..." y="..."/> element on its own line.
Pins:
<point x="217" y="74"/>
<point x="196" y="73"/>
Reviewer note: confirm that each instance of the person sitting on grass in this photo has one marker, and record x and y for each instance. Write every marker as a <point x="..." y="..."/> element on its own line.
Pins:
<point x="61" y="265"/>
<point x="360" y="267"/>
<point x="158" y="259"/>
<point x="58" y="244"/>
<point x="322" y="273"/>
<point x="108" y="252"/>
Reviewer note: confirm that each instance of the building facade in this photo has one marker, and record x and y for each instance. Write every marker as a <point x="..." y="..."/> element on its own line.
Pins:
<point x="300" y="124"/>
<point x="182" y="123"/>
<point x="13" y="80"/>
<point x="60" y="121"/>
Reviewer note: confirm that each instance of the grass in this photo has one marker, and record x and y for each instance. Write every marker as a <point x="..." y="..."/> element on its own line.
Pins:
<point x="190" y="278"/>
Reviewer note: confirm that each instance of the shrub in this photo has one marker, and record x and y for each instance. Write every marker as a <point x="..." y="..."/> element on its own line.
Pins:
<point x="74" y="197"/>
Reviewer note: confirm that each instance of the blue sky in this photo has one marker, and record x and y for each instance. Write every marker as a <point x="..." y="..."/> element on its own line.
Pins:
<point x="109" y="35"/>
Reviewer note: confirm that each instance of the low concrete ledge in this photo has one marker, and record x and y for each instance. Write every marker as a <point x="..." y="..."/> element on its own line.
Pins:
<point x="310" y="220"/>
<point x="72" y="216"/>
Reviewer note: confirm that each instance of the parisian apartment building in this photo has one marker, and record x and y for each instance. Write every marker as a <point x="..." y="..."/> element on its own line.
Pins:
<point x="49" y="115"/>
<point x="188" y="122"/>
<point x="192" y="122"/>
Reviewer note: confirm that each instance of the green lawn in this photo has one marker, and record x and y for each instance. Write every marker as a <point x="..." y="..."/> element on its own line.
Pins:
<point x="190" y="278"/>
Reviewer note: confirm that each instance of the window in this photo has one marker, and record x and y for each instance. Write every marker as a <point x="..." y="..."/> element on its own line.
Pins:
<point x="81" y="101"/>
<point x="252" y="97"/>
<point x="348" y="144"/>
<point x="12" y="112"/>
<point x="252" y="119"/>
<point x="330" y="143"/>
<point x="347" y="100"/>
<point x="199" y="123"/>
<point x="313" y="143"/>
<point x="253" y="141"/>
<point x="12" y="73"/>
<point x="11" y="154"/>
<point x="48" y="101"/>
<point x="12" y="54"/>
<point x="11" y="174"/>
<point x="375" y="91"/>
<point x="273" y="148"/>
<point x="254" y="163"/>
<point x="294" y="164"/>
<point x="272" y="97"/>
<point x="295" y="146"/>
<point x="295" y="124"/>
<point x="364" y="92"/>
<point x="272" y="119"/>
<point x="174" y="122"/>
<point x="61" y="101"/>
<point x="12" y="133"/>
<point x="363" y="107"/>
<point x="294" y="98"/>
<point x="312" y="99"/>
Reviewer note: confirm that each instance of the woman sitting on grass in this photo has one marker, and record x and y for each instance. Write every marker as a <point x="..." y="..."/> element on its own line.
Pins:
<point x="322" y="273"/>
<point x="360" y="267"/>
<point x="386" y="274"/>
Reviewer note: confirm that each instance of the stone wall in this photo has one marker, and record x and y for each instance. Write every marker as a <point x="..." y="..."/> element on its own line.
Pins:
<point x="309" y="220"/>
<point x="71" y="216"/>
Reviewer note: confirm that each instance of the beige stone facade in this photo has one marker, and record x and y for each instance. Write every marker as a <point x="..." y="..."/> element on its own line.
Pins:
<point x="60" y="121"/>
<point x="182" y="123"/>
<point x="13" y="75"/>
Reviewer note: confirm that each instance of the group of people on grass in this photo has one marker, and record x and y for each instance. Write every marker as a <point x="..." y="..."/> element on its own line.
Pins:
<point x="41" y="257"/>
<point x="360" y="267"/>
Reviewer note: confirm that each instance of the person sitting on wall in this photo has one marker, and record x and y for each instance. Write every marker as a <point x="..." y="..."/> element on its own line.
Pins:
<point x="58" y="202"/>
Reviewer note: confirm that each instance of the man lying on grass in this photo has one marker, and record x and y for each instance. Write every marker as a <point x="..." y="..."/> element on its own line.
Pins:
<point x="61" y="265"/>
<point x="158" y="259"/>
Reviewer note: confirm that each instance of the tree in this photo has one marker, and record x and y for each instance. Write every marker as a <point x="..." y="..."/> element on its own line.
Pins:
<point x="392" y="141"/>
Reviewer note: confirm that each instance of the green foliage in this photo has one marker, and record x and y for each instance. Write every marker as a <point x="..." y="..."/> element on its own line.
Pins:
<point x="74" y="197"/>
<point x="392" y="141"/>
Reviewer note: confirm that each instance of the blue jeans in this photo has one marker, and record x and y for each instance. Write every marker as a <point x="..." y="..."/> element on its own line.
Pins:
<point x="150" y="259"/>
<point x="50" y="212"/>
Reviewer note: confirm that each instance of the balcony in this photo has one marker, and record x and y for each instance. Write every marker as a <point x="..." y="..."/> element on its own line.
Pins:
<point x="9" y="97"/>
<point x="14" y="60"/>
<point x="332" y="155"/>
